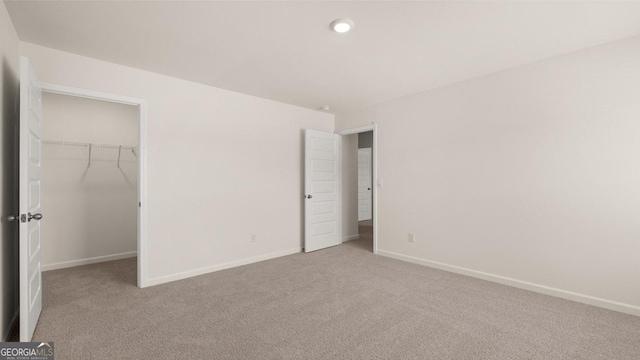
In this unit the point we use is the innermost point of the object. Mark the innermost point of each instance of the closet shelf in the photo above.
(90, 152)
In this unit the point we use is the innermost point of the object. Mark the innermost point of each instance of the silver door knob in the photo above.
(309, 196)
(13, 217)
(36, 216)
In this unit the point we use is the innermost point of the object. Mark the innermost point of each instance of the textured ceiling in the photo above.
(285, 50)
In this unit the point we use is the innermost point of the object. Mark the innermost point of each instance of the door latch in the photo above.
(23, 217)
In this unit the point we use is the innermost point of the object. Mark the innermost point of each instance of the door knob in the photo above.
(36, 216)
(309, 196)
(13, 217)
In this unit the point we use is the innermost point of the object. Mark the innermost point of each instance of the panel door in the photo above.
(30, 183)
(322, 190)
(364, 184)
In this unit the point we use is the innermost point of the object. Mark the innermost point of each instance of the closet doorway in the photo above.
(93, 180)
(359, 185)
(365, 187)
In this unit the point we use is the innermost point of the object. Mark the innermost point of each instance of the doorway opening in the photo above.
(89, 184)
(365, 186)
(359, 193)
(93, 154)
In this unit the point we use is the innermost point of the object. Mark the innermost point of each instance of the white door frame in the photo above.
(142, 160)
(374, 180)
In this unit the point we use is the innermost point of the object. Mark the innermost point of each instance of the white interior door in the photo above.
(30, 199)
(322, 183)
(364, 184)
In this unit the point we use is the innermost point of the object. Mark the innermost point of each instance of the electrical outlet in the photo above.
(412, 237)
(253, 238)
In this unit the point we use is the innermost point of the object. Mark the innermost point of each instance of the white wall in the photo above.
(90, 211)
(9, 93)
(221, 165)
(528, 176)
(349, 187)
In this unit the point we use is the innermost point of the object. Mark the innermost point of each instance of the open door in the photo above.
(30, 199)
(322, 162)
(364, 184)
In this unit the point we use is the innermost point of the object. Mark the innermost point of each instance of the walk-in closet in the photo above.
(90, 170)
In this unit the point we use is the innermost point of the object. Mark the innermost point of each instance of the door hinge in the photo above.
(139, 204)
(23, 218)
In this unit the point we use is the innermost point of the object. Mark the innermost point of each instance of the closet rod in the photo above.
(91, 148)
(113, 146)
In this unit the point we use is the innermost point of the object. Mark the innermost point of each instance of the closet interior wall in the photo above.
(89, 196)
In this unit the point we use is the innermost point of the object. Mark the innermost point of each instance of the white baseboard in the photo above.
(93, 260)
(351, 237)
(224, 266)
(569, 295)
(10, 326)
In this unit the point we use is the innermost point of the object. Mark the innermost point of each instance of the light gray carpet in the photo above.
(339, 303)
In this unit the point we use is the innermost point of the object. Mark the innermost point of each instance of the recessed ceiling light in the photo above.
(342, 25)
(325, 108)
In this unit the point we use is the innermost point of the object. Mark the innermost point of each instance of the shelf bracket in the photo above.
(119, 152)
(89, 164)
